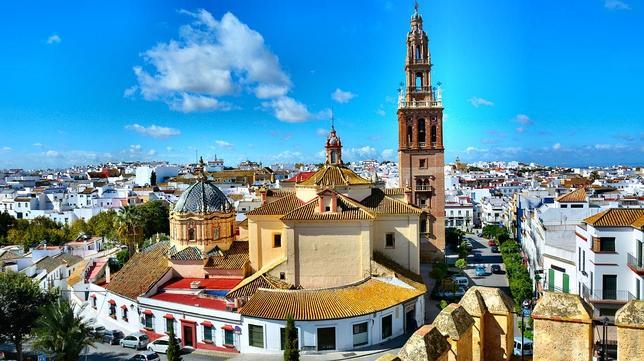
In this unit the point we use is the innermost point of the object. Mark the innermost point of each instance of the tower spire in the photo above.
(332, 120)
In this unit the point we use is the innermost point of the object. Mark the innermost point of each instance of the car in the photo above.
(136, 341)
(97, 331)
(496, 268)
(458, 292)
(461, 281)
(112, 337)
(491, 243)
(160, 345)
(480, 271)
(522, 346)
(477, 256)
(495, 249)
(144, 356)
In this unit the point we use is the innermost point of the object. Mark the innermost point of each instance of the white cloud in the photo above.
(152, 152)
(616, 5)
(212, 59)
(477, 101)
(471, 150)
(6, 149)
(38, 145)
(387, 154)
(134, 149)
(556, 146)
(224, 144)
(523, 119)
(169, 149)
(129, 92)
(342, 96)
(288, 156)
(54, 39)
(364, 152)
(381, 111)
(154, 131)
(322, 132)
(52, 154)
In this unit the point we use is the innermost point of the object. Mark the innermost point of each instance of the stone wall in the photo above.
(630, 331)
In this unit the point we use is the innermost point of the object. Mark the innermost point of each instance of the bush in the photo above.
(442, 304)
(439, 271)
(461, 264)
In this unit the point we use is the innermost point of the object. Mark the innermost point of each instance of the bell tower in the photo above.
(420, 140)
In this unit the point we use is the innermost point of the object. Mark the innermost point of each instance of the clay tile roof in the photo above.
(260, 279)
(348, 209)
(380, 203)
(278, 193)
(334, 175)
(234, 258)
(576, 196)
(187, 254)
(300, 177)
(142, 271)
(278, 207)
(618, 217)
(394, 191)
(369, 296)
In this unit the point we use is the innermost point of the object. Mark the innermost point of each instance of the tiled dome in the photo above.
(202, 197)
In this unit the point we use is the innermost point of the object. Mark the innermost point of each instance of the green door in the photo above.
(551, 280)
(566, 283)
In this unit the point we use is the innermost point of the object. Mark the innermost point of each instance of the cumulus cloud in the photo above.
(6, 149)
(130, 92)
(616, 5)
(154, 131)
(477, 102)
(556, 146)
(224, 144)
(52, 154)
(212, 59)
(54, 39)
(152, 152)
(342, 96)
(523, 119)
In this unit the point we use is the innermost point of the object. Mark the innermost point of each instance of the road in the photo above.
(105, 352)
(485, 258)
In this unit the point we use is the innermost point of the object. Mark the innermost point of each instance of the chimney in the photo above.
(107, 272)
(408, 195)
(262, 194)
(321, 203)
(334, 203)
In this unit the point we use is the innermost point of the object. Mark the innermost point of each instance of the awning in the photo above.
(112, 302)
(147, 312)
(228, 328)
(124, 307)
(93, 296)
(168, 316)
(207, 324)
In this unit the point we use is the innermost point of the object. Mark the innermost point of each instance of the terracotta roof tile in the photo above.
(618, 217)
(187, 254)
(576, 196)
(234, 258)
(369, 296)
(381, 204)
(278, 207)
(141, 271)
(334, 175)
(348, 209)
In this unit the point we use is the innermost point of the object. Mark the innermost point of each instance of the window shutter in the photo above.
(596, 244)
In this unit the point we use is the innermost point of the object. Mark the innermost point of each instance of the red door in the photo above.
(188, 333)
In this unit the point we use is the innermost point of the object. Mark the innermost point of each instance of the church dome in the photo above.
(202, 197)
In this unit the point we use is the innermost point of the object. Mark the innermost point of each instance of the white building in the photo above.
(163, 172)
(610, 248)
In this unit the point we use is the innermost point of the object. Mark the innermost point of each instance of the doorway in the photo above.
(188, 333)
(326, 338)
(410, 321)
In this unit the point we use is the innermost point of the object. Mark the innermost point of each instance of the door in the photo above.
(410, 321)
(326, 338)
(609, 287)
(566, 283)
(187, 336)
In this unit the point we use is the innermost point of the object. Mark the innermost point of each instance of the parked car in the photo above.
(160, 345)
(496, 268)
(144, 356)
(477, 256)
(136, 340)
(524, 345)
(459, 292)
(461, 281)
(112, 337)
(98, 331)
(491, 243)
(495, 249)
(480, 271)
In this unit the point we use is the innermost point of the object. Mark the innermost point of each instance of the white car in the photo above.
(160, 345)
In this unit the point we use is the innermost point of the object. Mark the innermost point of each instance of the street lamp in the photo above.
(605, 336)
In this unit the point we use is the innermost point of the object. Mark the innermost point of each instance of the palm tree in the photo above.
(62, 332)
(128, 223)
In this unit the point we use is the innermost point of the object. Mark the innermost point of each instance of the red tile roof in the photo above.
(191, 300)
(205, 283)
(300, 177)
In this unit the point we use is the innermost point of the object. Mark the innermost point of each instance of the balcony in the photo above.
(418, 61)
(423, 188)
(635, 264)
(420, 104)
(607, 296)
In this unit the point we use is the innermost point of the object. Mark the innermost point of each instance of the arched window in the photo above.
(410, 132)
(419, 81)
(215, 232)
(191, 234)
(433, 135)
(421, 130)
(417, 52)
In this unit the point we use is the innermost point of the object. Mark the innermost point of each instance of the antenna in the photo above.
(332, 120)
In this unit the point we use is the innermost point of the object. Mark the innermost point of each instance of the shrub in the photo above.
(461, 264)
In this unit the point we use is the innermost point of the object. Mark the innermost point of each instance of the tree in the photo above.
(6, 222)
(102, 224)
(291, 350)
(461, 264)
(155, 218)
(174, 352)
(439, 271)
(153, 178)
(20, 302)
(128, 226)
(79, 228)
(62, 332)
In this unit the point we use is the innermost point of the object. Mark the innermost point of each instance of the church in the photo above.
(334, 251)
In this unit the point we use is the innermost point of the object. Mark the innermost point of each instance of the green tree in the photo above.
(129, 227)
(291, 350)
(174, 352)
(102, 224)
(439, 271)
(461, 264)
(155, 218)
(62, 332)
(6, 222)
(20, 303)
(153, 178)
(79, 227)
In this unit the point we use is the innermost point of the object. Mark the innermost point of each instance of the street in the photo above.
(105, 352)
(485, 258)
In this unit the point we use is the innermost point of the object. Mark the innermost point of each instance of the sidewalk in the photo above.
(368, 353)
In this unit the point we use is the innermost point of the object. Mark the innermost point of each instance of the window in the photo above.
(360, 334)
(169, 324)
(207, 333)
(433, 134)
(583, 262)
(124, 313)
(113, 311)
(282, 275)
(327, 209)
(283, 338)
(422, 163)
(277, 240)
(390, 240)
(228, 337)
(609, 284)
(191, 234)
(579, 259)
(94, 301)
(147, 322)
(638, 290)
(421, 130)
(576, 206)
(256, 336)
(607, 244)
(215, 232)
(419, 80)
(386, 327)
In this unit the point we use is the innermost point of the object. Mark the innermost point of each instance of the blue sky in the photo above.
(555, 82)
